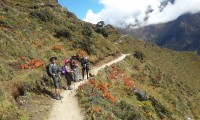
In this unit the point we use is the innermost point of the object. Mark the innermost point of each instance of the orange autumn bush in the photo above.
(127, 83)
(33, 63)
(39, 44)
(142, 78)
(97, 109)
(112, 77)
(108, 85)
(158, 76)
(93, 82)
(81, 52)
(23, 58)
(57, 48)
(108, 96)
(102, 87)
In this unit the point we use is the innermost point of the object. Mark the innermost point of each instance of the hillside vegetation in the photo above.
(30, 33)
(170, 80)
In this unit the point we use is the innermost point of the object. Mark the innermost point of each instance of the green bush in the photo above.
(85, 44)
(102, 31)
(6, 23)
(63, 33)
(139, 55)
(161, 110)
(127, 112)
(71, 15)
(44, 16)
(72, 28)
(87, 31)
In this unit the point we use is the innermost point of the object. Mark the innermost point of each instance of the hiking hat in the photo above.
(52, 58)
(67, 61)
(74, 55)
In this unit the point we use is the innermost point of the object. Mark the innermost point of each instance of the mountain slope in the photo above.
(30, 33)
(181, 34)
(170, 79)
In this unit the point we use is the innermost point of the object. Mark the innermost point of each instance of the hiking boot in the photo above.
(57, 98)
(70, 88)
(61, 96)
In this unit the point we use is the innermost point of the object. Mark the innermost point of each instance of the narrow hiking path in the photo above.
(68, 108)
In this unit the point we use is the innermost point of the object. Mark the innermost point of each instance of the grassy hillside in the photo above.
(170, 79)
(30, 33)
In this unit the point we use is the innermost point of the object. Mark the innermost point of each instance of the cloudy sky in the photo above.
(121, 13)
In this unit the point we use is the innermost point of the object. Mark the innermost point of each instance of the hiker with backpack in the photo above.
(67, 72)
(75, 67)
(85, 66)
(53, 71)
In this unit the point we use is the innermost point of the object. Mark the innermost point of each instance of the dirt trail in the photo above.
(68, 108)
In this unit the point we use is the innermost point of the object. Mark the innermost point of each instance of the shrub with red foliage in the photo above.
(81, 52)
(93, 82)
(57, 48)
(92, 93)
(158, 77)
(108, 85)
(39, 44)
(82, 85)
(24, 66)
(138, 68)
(97, 109)
(112, 77)
(142, 78)
(23, 58)
(128, 83)
(108, 96)
(102, 87)
(110, 118)
(33, 63)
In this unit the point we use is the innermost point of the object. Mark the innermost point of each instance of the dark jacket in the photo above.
(54, 69)
(85, 63)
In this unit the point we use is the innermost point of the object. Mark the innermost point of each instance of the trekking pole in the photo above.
(61, 100)
(74, 86)
(73, 83)
(72, 90)
(61, 87)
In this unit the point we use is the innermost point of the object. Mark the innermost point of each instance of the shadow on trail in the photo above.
(48, 93)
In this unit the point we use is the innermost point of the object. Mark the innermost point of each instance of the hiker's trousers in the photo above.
(76, 74)
(56, 81)
(83, 72)
(69, 78)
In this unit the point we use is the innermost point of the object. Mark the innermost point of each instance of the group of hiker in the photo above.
(70, 70)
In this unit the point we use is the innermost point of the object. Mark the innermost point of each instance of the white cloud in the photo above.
(135, 12)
